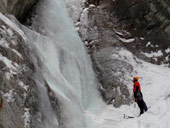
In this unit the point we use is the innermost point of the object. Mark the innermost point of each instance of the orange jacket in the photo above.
(136, 87)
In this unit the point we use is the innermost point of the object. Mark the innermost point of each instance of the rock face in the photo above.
(145, 14)
(107, 26)
(96, 28)
(21, 100)
(104, 47)
(18, 89)
(16, 7)
(149, 19)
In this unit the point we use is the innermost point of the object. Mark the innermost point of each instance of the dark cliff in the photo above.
(149, 19)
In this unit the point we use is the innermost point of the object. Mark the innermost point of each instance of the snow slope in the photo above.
(155, 85)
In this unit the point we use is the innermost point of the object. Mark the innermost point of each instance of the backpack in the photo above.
(139, 95)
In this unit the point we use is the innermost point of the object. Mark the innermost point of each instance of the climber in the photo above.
(138, 95)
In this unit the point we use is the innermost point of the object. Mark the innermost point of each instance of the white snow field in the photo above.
(155, 85)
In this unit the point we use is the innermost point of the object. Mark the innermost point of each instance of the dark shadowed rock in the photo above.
(149, 19)
(16, 7)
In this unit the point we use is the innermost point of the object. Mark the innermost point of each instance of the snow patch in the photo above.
(26, 117)
(92, 5)
(153, 54)
(126, 40)
(127, 56)
(9, 96)
(4, 43)
(119, 33)
(11, 67)
(149, 44)
(167, 57)
(167, 50)
(142, 38)
(13, 26)
(7, 62)
(120, 37)
(10, 32)
(85, 10)
(23, 85)
(16, 52)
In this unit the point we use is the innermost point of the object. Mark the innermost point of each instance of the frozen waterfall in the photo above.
(66, 66)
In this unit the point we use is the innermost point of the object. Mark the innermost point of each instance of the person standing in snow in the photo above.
(138, 95)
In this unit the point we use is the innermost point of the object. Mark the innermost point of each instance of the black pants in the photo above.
(142, 106)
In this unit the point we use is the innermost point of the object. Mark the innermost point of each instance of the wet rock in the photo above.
(15, 6)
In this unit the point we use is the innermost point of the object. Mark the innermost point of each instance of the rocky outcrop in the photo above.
(144, 14)
(149, 19)
(22, 98)
(17, 87)
(104, 47)
(16, 7)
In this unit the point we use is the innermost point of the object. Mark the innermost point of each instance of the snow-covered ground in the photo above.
(155, 87)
